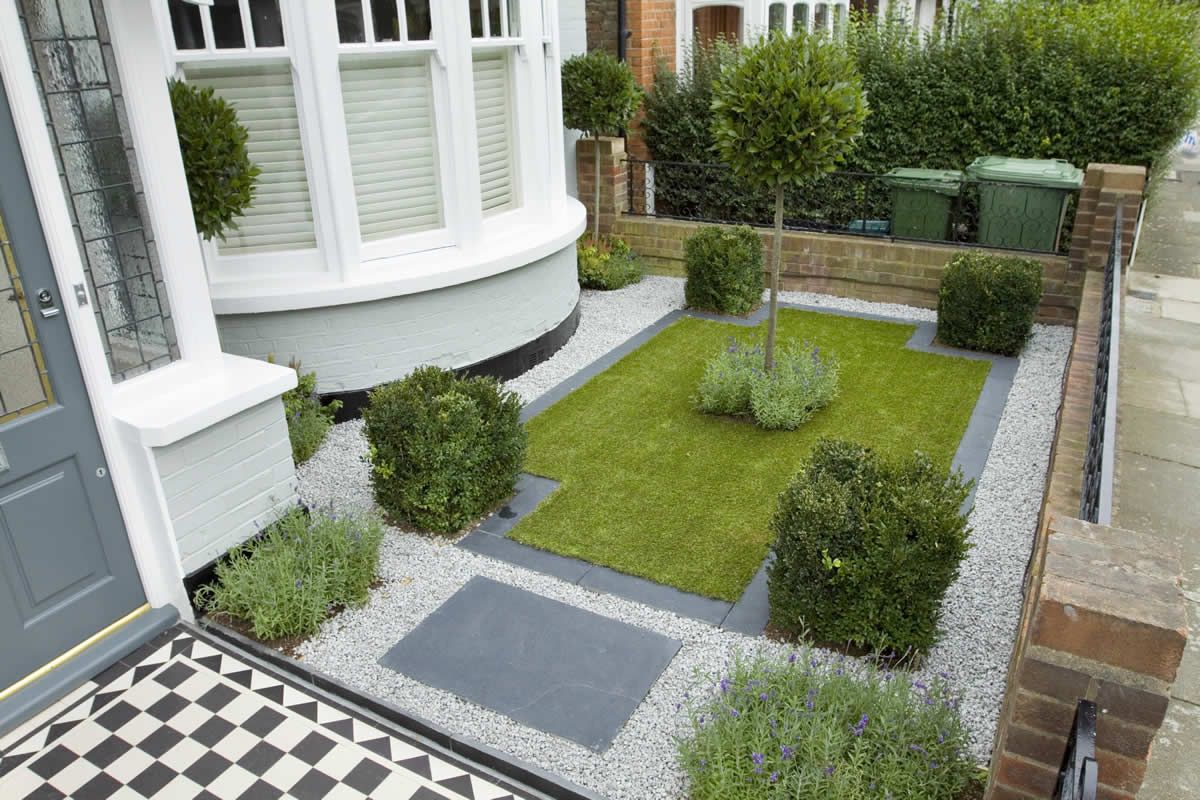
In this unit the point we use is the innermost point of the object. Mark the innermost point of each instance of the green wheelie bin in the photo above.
(1022, 201)
(922, 200)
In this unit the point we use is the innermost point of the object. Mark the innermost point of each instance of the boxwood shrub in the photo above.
(724, 269)
(865, 548)
(607, 263)
(988, 302)
(444, 449)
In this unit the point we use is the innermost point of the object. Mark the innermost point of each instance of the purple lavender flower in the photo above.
(774, 777)
(861, 725)
(762, 696)
(724, 685)
(757, 758)
(792, 658)
(829, 770)
(786, 752)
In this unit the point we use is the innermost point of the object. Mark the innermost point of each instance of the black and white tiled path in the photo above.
(180, 718)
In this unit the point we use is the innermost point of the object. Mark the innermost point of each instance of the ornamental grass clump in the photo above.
(814, 728)
(308, 419)
(303, 567)
(607, 263)
(735, 384)
(444, 449)
(865, 549)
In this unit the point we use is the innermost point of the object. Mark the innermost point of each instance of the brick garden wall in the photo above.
(849, 266)
(602, 26)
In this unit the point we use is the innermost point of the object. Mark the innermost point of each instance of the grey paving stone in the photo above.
(749, 614)
(531, 490)
(668, 598)
(543, 663)
(521, 555)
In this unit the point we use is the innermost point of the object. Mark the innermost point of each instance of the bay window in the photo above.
(370, 120)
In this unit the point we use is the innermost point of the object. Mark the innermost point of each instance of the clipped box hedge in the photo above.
(988, 302)
(724, 269)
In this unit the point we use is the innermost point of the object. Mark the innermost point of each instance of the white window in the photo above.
(385, 65)
(799, 17)
(821, 17)
(239, 49)
(358, 113)
(777, 17)
(495, 37)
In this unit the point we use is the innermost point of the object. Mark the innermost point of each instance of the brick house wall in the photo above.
(602, 26)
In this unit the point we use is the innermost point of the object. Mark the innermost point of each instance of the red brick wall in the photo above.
(652, 39)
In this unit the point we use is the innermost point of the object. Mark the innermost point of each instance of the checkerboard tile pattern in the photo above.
(190, 721)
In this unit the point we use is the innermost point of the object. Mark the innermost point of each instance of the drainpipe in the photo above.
(622, 34)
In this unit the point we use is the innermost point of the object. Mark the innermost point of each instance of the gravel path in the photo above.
(981, 609)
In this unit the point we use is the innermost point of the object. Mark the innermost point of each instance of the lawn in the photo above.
(653, 488)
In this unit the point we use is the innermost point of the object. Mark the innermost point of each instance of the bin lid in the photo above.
(942, 181)
(1050, 173)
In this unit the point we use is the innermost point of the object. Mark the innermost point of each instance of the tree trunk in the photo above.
(776, 261)
(596, 207)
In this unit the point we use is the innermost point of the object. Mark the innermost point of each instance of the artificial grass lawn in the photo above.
(652, 487)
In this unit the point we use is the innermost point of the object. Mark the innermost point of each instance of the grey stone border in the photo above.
(749, 614)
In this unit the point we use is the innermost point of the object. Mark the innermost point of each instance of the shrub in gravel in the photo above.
(724, 269)
(285, 582)
(865, 548)
(735, 383)
(444, 449)
(607, 263)
(988, 302)
(308, 420)
(806, 728)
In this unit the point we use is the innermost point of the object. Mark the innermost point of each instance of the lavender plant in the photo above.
(823, 727)
(308, 419)
(286, 582)
(735, 383)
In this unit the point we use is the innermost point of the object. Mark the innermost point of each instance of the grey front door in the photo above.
(66, 570)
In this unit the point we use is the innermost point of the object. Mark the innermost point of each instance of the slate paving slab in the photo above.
(543, 663)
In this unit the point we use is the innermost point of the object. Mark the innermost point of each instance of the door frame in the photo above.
(131, 465)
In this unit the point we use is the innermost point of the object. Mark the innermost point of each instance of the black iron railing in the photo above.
(1079, 773)
(1096, 501)
(855, 203)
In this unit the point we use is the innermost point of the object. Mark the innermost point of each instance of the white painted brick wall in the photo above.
(362, 345)
(572, 21)
(225, 483)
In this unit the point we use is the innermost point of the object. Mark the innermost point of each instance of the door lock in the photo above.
(46, 303)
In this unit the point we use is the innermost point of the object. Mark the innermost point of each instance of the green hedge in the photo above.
(444, 449)
(1114, 81)
(865, 548)
(988, 302)
(724, 270)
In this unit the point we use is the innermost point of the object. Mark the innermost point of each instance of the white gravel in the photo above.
(981, 609)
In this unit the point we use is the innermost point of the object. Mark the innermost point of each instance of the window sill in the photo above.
(169, 404)
(522, 239)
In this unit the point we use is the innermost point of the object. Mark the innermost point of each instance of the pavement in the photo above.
(1158, 458)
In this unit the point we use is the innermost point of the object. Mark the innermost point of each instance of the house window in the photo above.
(495, 32)
(821, 17)
(385, 65)
(246, 61)
(800, 18)
(777, 17)
(350, 106)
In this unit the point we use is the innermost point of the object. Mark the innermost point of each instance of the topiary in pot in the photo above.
(865, 548)
(724, 269)
(220, 176)
(444, 449)
(988, 302)
(599, 97)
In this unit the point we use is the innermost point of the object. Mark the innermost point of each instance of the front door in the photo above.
(66, 570)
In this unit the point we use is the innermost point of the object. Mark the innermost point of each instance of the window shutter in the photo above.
(493, 119)
(393, 144)
(281, 217)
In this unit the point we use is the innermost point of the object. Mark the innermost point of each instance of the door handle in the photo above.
(46, 303)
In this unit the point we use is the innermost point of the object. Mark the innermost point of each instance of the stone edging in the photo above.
(749, 614)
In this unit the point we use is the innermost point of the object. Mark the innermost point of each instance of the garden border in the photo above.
(749, 613)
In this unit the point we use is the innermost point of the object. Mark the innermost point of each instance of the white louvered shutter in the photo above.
(393, 144)
(493, 119)
(281, 217)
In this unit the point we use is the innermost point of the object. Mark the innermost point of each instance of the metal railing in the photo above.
(853, 203)
(1079, 774)
(1095, 503)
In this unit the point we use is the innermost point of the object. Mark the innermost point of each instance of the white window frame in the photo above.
(262, 264)
(313, 49)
